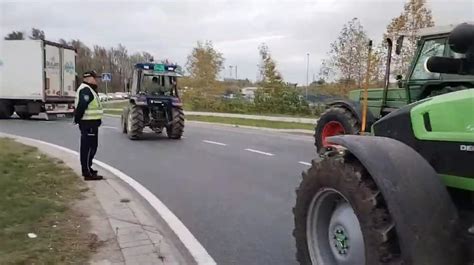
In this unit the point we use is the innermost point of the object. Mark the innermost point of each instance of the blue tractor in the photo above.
(154, 101)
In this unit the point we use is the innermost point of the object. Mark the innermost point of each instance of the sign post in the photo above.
(106, 77)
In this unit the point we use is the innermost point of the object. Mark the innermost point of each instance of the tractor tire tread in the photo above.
(176, 128)
(137, 125)
(347, 175)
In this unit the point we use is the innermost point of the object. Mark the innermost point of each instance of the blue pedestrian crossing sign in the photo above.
(106, 77)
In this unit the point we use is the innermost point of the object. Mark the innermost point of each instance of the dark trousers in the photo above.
(89, 141)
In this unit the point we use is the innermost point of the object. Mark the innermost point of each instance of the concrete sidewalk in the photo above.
(129, 231)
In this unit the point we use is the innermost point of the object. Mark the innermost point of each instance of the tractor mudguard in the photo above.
(355, 108)
(424, 214)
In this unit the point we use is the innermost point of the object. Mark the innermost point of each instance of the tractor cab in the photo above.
(421, 83)
(156, 79)
(364, 107)
(417, 83)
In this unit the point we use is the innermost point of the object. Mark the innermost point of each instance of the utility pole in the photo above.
(230, 67)
(236, 72)
(307, 76)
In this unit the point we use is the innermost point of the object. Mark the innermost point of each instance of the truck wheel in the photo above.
(341, 217)
(334, 121)
(176, 128)
(24, 115)
(6, 109)
(135, 122)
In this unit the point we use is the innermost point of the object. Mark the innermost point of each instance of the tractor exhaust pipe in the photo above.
(366, 90)
(387, 74)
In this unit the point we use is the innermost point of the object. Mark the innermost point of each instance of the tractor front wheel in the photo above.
(334, 121)
(135, 122)
(341, 217)
(176, 128)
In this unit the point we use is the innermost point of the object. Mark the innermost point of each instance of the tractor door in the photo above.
(419, 78)
(135, 80)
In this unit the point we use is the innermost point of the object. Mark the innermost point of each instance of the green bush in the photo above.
(283, 101)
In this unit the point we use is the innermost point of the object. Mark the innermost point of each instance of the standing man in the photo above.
(88, 114)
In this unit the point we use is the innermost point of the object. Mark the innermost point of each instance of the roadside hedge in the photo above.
(285, 103)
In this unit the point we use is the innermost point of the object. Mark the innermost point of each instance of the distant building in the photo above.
(249, 92)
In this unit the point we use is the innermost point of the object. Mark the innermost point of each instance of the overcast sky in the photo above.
(169, 29)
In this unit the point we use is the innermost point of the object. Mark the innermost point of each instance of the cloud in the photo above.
(169, 29)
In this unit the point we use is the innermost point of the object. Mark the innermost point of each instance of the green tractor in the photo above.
(154, 102)
(404, 194)
(347, 116)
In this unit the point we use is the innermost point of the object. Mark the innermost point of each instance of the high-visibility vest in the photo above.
(94, 109)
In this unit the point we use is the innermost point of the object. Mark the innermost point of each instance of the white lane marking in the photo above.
(212, 142)
(259, 152)
(304, 163)
(197, 251)
(109, 127)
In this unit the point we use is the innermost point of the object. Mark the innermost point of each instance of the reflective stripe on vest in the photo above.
(94, 109)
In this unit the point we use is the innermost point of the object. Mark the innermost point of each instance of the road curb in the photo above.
(193, 247)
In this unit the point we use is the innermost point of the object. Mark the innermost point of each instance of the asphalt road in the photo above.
(232, 187)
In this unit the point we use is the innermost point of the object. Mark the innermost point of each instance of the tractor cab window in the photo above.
(157, 84)
(430, 48)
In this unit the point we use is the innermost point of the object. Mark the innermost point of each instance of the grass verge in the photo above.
(114, 104)
(249, 122)
(36, 196)
(240, 121)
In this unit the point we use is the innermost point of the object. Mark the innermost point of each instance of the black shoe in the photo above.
(94, 172)
(93, 177)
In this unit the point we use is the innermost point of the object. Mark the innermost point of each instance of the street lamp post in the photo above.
(307, 76)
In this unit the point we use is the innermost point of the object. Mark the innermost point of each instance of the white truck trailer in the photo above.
(36, 76)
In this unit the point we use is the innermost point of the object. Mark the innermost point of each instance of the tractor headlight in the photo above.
(141, 101)
(176, 102)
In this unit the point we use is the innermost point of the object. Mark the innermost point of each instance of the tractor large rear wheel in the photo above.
(341, 218)
(334, 121)
(135, 122)
(176, 128)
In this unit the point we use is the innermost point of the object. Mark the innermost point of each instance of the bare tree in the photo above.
(415, 15)
(37, 34)
(15, 35)
(204, 64)
(347, 60)
(271, 78)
